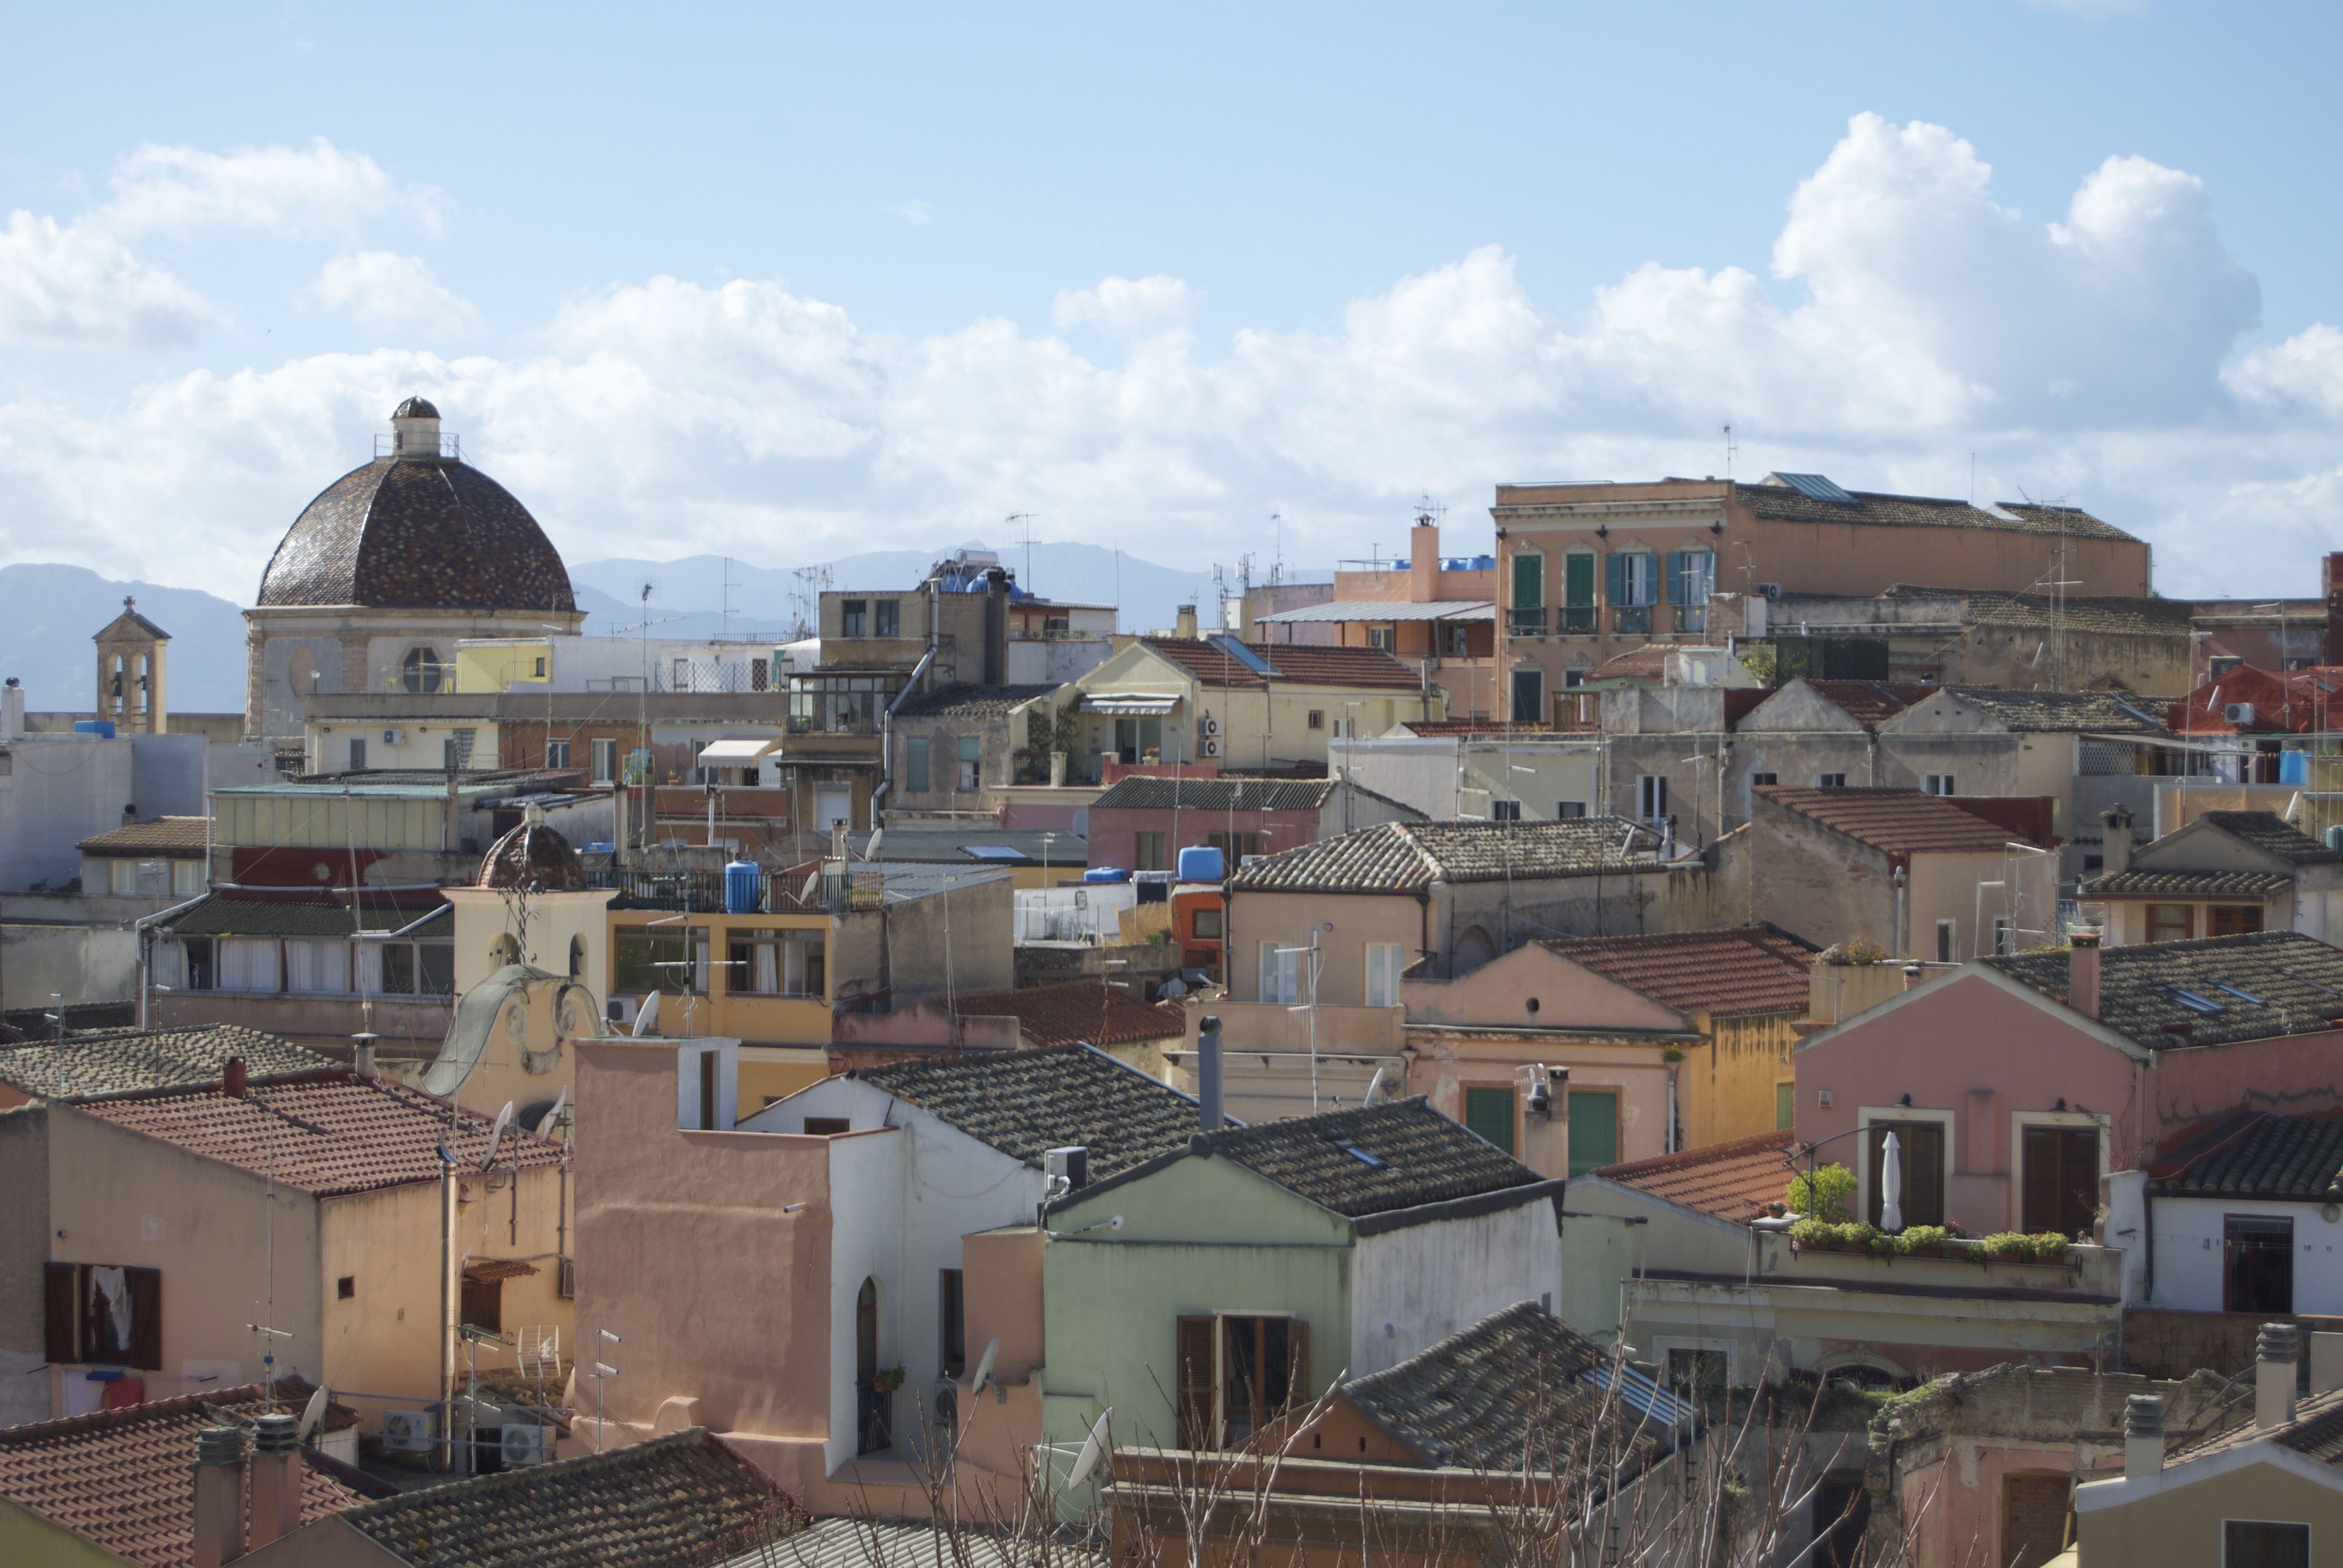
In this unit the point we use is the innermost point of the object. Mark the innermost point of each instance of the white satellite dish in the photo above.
(497, 1134)
(647, 1018)
(1093, 1450)
(552, 1117)
(1374, 1084)
(871, 845)
(805, 894)
(314, 1413)
(983, 1368)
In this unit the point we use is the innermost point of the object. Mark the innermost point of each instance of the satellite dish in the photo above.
(648, 1019)
(1093, 1450)
(806, 893)
(314, 1413)
(1374, 1084)
(984, 1367)
(497, 1134)
(561, 1103)
(871, 845)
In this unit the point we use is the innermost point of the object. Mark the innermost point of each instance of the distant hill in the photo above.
(49, 613)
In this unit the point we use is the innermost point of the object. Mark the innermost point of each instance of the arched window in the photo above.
(419, 670)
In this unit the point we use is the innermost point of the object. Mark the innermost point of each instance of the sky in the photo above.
(792, 283)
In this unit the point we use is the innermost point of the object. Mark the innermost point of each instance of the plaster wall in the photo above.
(2190, 1264)
(1444, 1064)
(2181, 1525)
(1414, 1287)
(39, 964)
(1948, 887)
(1670, 1239)
(57, 790)
(24, 1247)
(1534, 987)
(2295, 1074)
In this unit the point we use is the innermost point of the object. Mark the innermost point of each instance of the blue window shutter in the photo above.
(1614, 580)
(1675, 567)
(915, 763)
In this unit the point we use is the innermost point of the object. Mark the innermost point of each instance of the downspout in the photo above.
(886, 729)
(1901, 890)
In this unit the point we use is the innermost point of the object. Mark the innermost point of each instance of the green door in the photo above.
(1785, 1105)
(1490, 1113)
(1593, 1129)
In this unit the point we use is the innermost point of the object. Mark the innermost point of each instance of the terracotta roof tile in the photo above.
(2290, 984)
(1732, 1180)
(965, 701)
(326, 1134)
(1871, 703)
(123, 1479)
(2116, 614)
(1741, 972)
(2067, 713)
(1899, 821)
(178, 836)
(2274, 835)
(1413, 1155)
(1029, 1102)
(2253, 1154)
(1303, 664)
(1402, 857)
(1089, 1013)
(128, 1061)
(2143, 883)
(1876, 509)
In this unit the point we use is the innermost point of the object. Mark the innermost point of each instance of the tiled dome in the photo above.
(532, 858)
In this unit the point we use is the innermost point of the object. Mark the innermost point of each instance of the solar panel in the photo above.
(2240, 995)
(991, 852)
(1817, 486)
(2205, 1006)
(1241, 653)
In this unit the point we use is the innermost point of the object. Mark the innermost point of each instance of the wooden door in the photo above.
(2062, 1180)
(2034, 1519)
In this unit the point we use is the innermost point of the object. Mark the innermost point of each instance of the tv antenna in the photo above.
(1026, 520)
(1731, 447)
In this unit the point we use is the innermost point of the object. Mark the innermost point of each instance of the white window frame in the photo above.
(122, 877)
(1281, 974)
(597, 750)
(2019, 1121)
(1939, 784)
(1390, 958)
(1864, 1115)
(189, 878)
(1662, 1344)
(1651, 797)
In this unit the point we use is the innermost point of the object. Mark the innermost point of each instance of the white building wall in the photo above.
(2189, 1261)
(54, 791)
(866, 1197)
(1413, 1288)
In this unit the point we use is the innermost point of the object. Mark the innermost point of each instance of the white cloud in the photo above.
(1911, 319)
(917, 212)
(314, 189)
(74, 284)
(1123, 303)
(400, 293)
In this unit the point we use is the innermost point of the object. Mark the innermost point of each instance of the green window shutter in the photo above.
(915, 763)
(972, 747)
(1593, 1129)
(1785, 1106)
(1529, 581)
(1676, 568)
(1578, 581)
(1614, 580)
(1490, 1113)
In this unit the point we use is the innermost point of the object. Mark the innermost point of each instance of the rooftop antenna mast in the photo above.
(1731, 447)
(1025, 520)
(724, 614)
(806, 584)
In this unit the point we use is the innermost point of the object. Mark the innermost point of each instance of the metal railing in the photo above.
(1632, 620)
(830, 891)
(1525, 620)
(1578, 619)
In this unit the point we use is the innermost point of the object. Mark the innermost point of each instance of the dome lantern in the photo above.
(414, 430)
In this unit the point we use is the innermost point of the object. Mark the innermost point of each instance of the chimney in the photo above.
(362, 1054)
(2143, 1435)
(1184, 623)
(2325, 1363)
(276, 1478)
(1913, 975)
(232, 1077)
(1423, 561)
(12, 710)
(219, 1496)
(2083, 973)
(2274, 1376)
(1208, 1075)
(2115, 854)
(2334, 585)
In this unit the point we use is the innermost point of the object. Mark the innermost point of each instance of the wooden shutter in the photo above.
(1614, 580)
(1578, 581)
(1676, 568)
(61, 1311)
(1195, 1354)
(145, 1318)
(1529, 581)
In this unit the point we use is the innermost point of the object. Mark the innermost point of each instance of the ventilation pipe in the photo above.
(275, 1477)
(2274, 1376)
(2143, 1435)
(1208, 1075)
(2083, 973)
(219, 1496)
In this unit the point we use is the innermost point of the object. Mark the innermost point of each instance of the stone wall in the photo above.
(2160, 1342)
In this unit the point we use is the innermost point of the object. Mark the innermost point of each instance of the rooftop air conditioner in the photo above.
(1211, 724)
(525, 1443)
(394, 738)
(621, 1011)
(1211, 747)
(1771, 590)
(408, 1430)
(2238, 712)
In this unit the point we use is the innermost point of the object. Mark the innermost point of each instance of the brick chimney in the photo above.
(232, 1077)
(2083, 973)
(1183, 622)
(1423, 561)
(2115, 854)
(2143, 1435)
(219, 1496)
(2274, 1376)
(2334, 586)
(276, 1478)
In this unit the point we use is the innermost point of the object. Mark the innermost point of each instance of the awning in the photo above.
(1384, 610)
(735, 753)
(487, 1271)
(1130, 704)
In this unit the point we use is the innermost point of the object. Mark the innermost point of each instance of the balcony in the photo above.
(1632, 620)
(1525, 620)
(1578, 620)
(783, 892)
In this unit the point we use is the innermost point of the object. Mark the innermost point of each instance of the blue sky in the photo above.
(786, 284)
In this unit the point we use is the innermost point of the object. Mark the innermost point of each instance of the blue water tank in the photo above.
(1202, 863)
(1483, 563)
(101, 727)
(2294, 766)
(1106, 874)
(744, 888)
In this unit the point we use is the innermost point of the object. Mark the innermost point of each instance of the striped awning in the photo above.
(1130, 704)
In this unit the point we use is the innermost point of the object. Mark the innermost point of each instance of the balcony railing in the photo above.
(1525, 620)
(1632, 620)
(782, 892)
(1578, 620)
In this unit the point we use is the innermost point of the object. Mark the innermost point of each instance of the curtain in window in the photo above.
(317, 967)
(248, 963)
(1382, 973)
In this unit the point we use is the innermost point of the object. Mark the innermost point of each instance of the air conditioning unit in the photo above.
(1211, 724)
(1211, 747)
(1070, 1165)
(409, 1430)
(944, 1404)
(394, 738)
(525, 1443)
(1771, 590)
(621, 1011)
(2238, 712)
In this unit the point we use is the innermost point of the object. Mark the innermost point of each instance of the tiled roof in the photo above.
(123, 1479)
(1732, 1180)
(2253, 1154)
(963, 843)
(138, 624)
(2295, 701)
(2274, 835)
(124, 1060)
(1782, 504)
(1076, 1012)
(2315, 1432)
(178, 836)
(417, 534)
(1146, 794)
(1402, 857)
(1515, 1388)
(221, 917)
(965, 701)
(682, 1500)
(845, 1541)
(1736, 973)
(1029, 1102)
(1443, 729)
(2066, 712)
(2113, 614)
(2293, 984)
(1416, 1156)
(2144, 884)
(328, 1135)
(1899, 821)
(1305, 664)
(1871, 703)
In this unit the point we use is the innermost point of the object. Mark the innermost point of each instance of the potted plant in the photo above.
(1823, 1198)
(888, 1381)
(1923, 1240)
(2005, 1247)
(2048, 1247)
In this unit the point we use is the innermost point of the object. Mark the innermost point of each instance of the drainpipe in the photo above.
(1901, 890)
(886, 728)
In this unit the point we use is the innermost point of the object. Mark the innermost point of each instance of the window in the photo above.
(1208, 925)
(1235, 848)
(1281, 974)
(419, 968)
(2034, 1510)
(1578, 592)
(484, 1304)
(915, 764)
(357, 754)
(954, 1320)
(1696, 1371)
(557, 754)
(1529, 695)
(887, 617)
(2258, 1543)
(605, 757)
(760, 675)
(1456, 639)
(1948, 941)
(1841, 1513)
(316, 965)
(1936, 783)
(2171, 922)
(196, 954)
(1385, 960)
(1147, 852)
(187, 879)
(1317, 718)
(1830, 780)
(540, 667)
(2062, 1180)
(419, 670)
(1756, 780)
(1525, 613)
(1504, 811)
(2257, 1263)
(1593, 1129)
(971, 760)
(2003, 937)
(853, 618)
(249, 964)
(122, 876)
(1569, 810)
(1920, 1149)
(1490, 1113)
(1652, 797)
(752, 963)
(646, 959)
(345, 1288)
(102, 1314)
(1632, 589)
(1785, 1106)
(1692, 578)
(1135, 737)
(1237, 1373)
(2232, 920)
(826, 1126)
